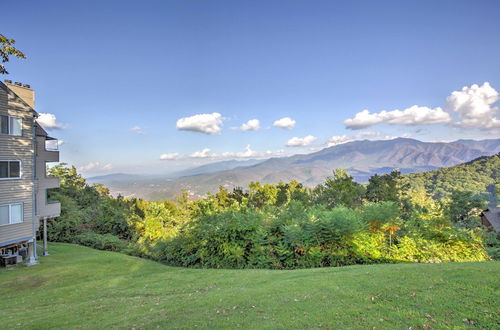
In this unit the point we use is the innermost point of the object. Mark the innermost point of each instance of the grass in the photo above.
(78, 287)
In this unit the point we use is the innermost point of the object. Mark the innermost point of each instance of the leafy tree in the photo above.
(7, 50)
(341, 190)
(464, 207)
(239, 195)
(261, 195)
(291, 191)
(384, 187)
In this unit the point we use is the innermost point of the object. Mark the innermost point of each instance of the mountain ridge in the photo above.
(361, 158)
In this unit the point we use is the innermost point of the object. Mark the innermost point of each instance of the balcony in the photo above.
(46, 152)
(46, 208)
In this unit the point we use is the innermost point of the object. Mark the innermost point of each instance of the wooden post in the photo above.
(45, 252)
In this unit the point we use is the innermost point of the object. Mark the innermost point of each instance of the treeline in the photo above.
(340, 222)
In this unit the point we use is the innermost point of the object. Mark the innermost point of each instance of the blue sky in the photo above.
(105, 67)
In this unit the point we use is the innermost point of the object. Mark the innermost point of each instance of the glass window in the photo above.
(4, 215)
(4, 124)
(16, 213)
(14, 169)
(16, 125)
(4, 170)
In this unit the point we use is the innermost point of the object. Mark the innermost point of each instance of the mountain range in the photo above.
(361, 158)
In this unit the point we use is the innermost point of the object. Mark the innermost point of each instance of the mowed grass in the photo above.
(78, 287)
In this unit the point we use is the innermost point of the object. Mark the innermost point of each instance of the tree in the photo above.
(384, 187)
(341, 190)
(7, 50)
(464, 207)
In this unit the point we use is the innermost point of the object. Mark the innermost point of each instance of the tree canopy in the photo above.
(7, 50)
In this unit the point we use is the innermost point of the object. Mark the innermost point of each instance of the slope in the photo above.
(77, 287)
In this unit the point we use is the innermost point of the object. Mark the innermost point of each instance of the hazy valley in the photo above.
(361, 158)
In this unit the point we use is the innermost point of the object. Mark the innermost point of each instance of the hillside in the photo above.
(481, 176)
(78, 287)
(361, 158)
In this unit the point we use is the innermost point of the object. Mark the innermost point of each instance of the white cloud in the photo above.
(49, 121)
(474, 105)
(208, 123)
(170, 156)
(249, 153)
(470, 107)
(137, 130)
(95, 166)
(300, 142)
(251, 125)
(339, 139)
(205, 153)
(88, 167)
(414, 115)
(286, 123)
(365, 135)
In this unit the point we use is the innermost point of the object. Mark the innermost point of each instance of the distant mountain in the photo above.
(492, 145)
(216, 167)
(361, 158)
(114, 177)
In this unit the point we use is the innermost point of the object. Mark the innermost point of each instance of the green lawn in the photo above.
(78, 287)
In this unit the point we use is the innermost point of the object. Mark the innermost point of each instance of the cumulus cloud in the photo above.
(205, 153)
(366, 135)
(49, 121)
(208, 123)
(249, 153)
(208, 154)
(170, 156)
(474, 106)
(95, 166)
(251, 125)
(339, 139)
(137, 130)
(285, 123)
(300, 142)
(414, 115)
(470, 107)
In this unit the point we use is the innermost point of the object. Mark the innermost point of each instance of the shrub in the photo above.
(101, 242)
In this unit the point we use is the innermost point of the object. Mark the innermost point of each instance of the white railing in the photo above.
(52, 145)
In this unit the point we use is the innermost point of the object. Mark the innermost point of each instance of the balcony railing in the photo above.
(52, 145)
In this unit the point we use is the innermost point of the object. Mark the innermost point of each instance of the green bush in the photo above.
(281, 226)
(100, 241)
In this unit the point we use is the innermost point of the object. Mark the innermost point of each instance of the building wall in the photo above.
(45, 208)
(17, 148)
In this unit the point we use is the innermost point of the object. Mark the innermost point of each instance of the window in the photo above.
(10, 169)
(11, 213)
(11, 125)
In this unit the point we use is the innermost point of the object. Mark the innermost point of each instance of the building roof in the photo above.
(492, 214)
(39, 131)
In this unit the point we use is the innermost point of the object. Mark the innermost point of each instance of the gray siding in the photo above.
(17, 148)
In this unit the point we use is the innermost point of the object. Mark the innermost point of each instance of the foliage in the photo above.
(339, 190)
(99, 241)
(463, 208)
(480, 176)
(384, 187)
(7, 50)
(278, 226)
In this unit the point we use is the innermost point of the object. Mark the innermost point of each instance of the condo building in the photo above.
(25, 151)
